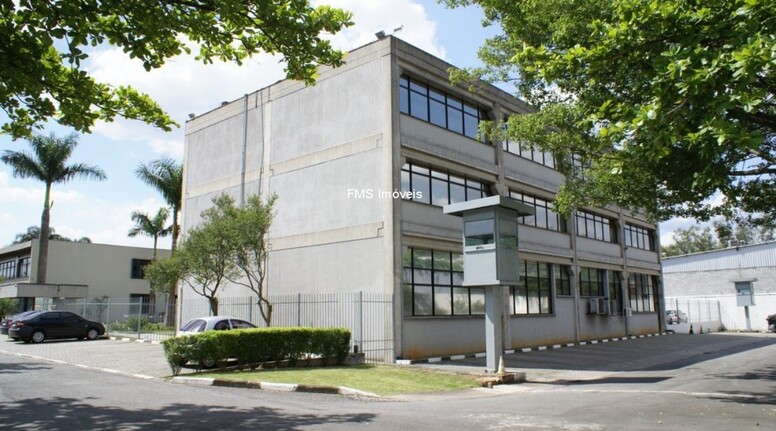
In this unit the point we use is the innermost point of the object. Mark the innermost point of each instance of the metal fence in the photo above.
(369, 316)
(142, 318)
(707, 312)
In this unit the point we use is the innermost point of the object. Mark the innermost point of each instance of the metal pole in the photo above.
(494, 337)
(107, 318)
(748, 320)
(139, 307)
(360, 324)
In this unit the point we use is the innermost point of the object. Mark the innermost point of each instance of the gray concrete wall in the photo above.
(718, 286)
(318, 148)
(106, 269)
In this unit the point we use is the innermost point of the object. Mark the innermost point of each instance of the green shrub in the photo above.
(252, 346)
(130, 325)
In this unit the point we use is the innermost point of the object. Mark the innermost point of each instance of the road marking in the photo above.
(86, 367)
(641, 391)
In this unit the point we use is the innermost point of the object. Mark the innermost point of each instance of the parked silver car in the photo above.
(675, 316)
(213, 323)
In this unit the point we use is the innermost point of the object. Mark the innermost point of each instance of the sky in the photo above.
(102, 210)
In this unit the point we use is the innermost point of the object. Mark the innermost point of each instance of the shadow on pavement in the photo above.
(68, 414)
(612, 380)
(661, 353)
(21, 368)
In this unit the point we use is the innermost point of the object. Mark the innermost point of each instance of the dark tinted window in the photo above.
(196, 325)
(241, 324)
(221, 325)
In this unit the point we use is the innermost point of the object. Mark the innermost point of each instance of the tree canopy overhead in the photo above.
(671, 104)
(44, 46)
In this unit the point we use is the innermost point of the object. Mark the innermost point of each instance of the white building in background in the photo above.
(77, 271)
(362, 164)
(723, 275)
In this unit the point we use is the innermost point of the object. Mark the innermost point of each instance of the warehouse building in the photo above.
(362, 164)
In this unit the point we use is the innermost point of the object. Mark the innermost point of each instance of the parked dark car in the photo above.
(54, 324)
(5, 324)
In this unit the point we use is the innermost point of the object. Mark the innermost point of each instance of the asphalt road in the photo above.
(730, 391)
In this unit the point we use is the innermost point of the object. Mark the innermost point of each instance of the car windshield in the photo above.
(196, 325)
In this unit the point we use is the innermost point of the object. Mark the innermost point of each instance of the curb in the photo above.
(136, 340)
(277, 387)
(524, 349)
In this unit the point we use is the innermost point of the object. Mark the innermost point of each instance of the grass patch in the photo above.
(378, 379)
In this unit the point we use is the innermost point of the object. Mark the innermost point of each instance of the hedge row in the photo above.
(253, 346)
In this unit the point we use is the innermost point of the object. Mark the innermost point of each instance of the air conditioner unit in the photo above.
(592, 306)
(603, 306)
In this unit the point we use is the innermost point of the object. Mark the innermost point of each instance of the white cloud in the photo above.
(185, 85)
(109, 222)
(386, 15)
(34, 194)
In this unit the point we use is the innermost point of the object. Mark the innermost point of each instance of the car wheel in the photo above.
(208, 363)
(38, 336)
(92, 334)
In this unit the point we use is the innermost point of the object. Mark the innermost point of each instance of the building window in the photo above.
(639, 237)
(527, 151)
(591, 282)
(437, 107)
(562, 280)
(433, 285)
(138, 268)
(139, 303)
(594, 226)
(545, 217)
(614, 289)
(641, 292)
(438, 188)
(8, 269)
(23, 268)
(534, 295)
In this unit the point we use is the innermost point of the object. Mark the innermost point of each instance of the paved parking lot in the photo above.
(121, 357)
(591, 361)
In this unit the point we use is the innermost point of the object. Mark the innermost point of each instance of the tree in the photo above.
(8, 306)
(166, 176)
(48, 163)
(155, 226)
(665, 102)
(229, 245)
(45, 45)
(691, 240)
(33, 232)
(249, 238)
(205, 258)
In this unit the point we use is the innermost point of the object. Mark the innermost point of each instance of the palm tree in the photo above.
(33, 232)
(47, 163)
(154, 227)
(166, 176)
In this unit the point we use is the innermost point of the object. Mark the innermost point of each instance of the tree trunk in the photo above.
(265, 307)
(213, 305)
(43, 241)
(173, 288)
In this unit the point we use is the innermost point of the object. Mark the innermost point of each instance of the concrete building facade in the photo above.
(713, 275)
(362, 163)
(76, 270)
